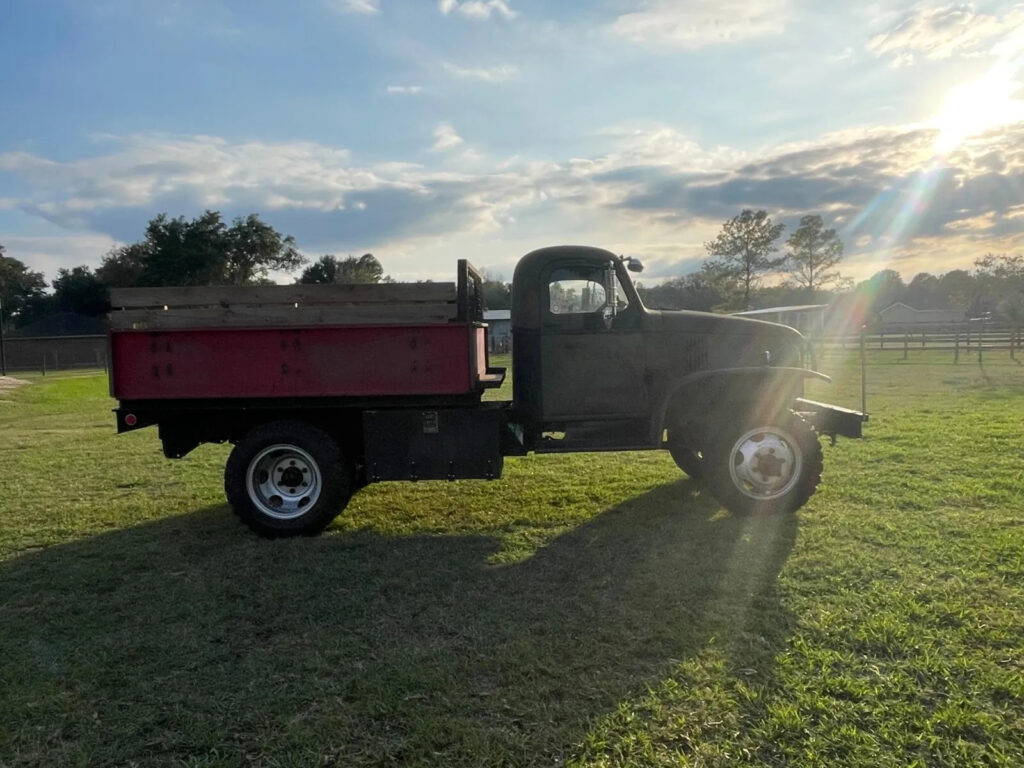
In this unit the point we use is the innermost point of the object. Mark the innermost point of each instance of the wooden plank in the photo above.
(271, 317)
(232, 295)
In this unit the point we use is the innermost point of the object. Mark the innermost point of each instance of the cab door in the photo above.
(592, 352)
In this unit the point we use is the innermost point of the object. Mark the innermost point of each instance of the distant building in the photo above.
(900, 314)
(500, 331)
(809, 319)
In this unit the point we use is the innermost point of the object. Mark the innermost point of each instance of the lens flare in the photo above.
(975, 107)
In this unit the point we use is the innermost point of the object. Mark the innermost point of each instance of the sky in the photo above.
(424, 131)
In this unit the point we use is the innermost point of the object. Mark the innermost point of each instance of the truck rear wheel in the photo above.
(287, 478)
(765, 468)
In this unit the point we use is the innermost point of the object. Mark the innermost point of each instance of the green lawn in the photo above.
(586, 609)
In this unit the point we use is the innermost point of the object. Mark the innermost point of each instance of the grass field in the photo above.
(586, 609)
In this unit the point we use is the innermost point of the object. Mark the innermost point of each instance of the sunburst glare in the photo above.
(978, 106)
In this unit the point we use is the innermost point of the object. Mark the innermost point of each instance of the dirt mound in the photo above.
(9, 382)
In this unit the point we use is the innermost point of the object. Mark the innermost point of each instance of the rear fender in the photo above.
(764, 390)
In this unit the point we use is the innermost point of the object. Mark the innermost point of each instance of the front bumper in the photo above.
(831, 420)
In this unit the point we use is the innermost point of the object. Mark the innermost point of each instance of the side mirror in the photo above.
(634, 265)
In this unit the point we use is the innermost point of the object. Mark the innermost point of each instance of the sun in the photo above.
(975, 107)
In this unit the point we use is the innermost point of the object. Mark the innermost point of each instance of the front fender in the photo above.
(703, 392)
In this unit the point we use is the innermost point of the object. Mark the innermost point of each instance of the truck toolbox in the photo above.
(434, 444)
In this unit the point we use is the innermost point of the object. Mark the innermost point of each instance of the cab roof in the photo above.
(530, 274)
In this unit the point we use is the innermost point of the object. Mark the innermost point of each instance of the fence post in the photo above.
(863, 373)
(956, 349)
(906, 344)
(44, 363)
(981, 339)
(3, 351)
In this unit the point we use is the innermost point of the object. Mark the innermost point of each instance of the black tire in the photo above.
(287, 478)
(688, 459)
(759, 469)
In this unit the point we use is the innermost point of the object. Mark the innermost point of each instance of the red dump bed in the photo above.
(296, 362)
(300, 341)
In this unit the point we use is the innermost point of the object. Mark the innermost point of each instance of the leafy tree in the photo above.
(497, 293)
(123, 266)
(1007, 269)
(201, 251)
(924, 292)
(693, 291)
(1002, 280)
(321, 271)
(20, 288)
(329, 269)
(181, 252)
(80, 290)
(742, 252)
(959, 289)
(879, 291)
(254, 248)
(813, 255)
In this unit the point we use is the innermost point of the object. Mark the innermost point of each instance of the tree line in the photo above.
(746, 254)
(746, 268)
(175, 251)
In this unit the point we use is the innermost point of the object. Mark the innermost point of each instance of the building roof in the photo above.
(783, 310)
(497, 314)
(921, 311)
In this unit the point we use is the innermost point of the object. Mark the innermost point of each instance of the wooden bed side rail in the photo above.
(282, 316)
(282, 295)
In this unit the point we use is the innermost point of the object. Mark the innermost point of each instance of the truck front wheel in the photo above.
(687, 459)
(287, 478)
(764, 468)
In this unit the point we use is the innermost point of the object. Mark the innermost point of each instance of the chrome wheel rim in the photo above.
(283, 481)
(765, 463)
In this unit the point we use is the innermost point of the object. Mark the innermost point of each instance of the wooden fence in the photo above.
(973, 339)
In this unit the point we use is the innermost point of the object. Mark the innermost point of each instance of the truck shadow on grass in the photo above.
(187, 638)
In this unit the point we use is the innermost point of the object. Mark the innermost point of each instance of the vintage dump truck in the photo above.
(323, 389)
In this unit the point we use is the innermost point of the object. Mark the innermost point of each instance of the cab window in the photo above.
(575, 291)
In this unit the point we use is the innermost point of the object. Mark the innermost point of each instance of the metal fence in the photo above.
(55, 353)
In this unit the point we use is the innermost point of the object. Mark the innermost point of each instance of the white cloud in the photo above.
(477, 9)
(445, 138)
(652, 186)
(366, 7)
(49, 254)
(404, 89)
(487, 74)
(692, 24)
(945, 31)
